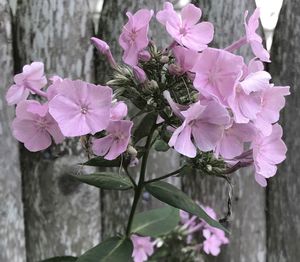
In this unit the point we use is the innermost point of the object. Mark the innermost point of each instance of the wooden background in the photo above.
(43, 213)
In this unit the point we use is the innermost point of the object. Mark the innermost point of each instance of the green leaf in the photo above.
(161, 145)
(171, 195)
(61, 259)
(106, 180)
(156, 222)
(114, 249)
(144, 127)
(101, 162)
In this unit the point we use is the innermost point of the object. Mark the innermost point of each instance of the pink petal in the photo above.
(190, 15)
(16, 94)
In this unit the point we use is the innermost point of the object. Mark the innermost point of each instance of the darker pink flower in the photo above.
(253, 38)
(185, 28)
(268, 151)
(134, 36)
(32, 79)
(216, 74)
(204, 123)
(272, 102)
(34, 126)
(115, 142)
(143, 248)
(81, 108)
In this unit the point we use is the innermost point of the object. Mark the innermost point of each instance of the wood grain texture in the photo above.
(12, 239)
(116, 205)
(62, 217)
(247, 223)
(283, 195)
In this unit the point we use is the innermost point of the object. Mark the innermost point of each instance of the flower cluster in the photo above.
(190, 237)
(212, 106)
(219, 103)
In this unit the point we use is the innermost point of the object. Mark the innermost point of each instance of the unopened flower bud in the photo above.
(104, 49)
(152, 84)
(164, 59)
(132, 151)
(144, 56)
(175, 69)
(139, 74)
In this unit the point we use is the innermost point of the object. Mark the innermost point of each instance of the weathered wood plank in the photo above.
(62, 217)
(247, 224)
(12, 239)
(111, 22)
(283, 195)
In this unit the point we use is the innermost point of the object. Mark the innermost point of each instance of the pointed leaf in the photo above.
(144, 127)
(156, 222)
(101, 162)
(171, 195)
(106, 180)
(61, 259)
(111, 250)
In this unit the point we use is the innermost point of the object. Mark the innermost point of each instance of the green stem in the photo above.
(138, 190)
(164, 176)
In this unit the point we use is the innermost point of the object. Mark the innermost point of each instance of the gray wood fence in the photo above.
(43, 213)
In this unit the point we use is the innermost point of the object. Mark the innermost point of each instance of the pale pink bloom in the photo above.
(268, 151)
(185, 60)
(29, 81)
(184, 28)
(272, 102)
(253, 38)
(53, 89)
(115, 142)
(143, 247)
(134, 36)
(176, 108)
(204, 123)
(216, 74)
(118, 111)
(215, 237)
(34, 126)
(104, 49)
(211, 244)
(233, 138)
(81, 108)
(245, 101)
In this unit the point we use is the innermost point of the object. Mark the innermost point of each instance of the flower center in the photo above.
(183, 31)
(84, 110)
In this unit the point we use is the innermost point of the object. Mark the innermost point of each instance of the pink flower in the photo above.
(34, 126)
(216, 74)
(133, 38)
(245, 102)
(118, 111)
(185, 60)
(139, 74)
(253, 38)
(204, 123)
(104, 49)
(232, 141)
(271, 103)
(211, 244)
(81, 108)
(143, 248)
(53, 89)
(31, 80)
(185, 28)
(268, 151)
(115, 142)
